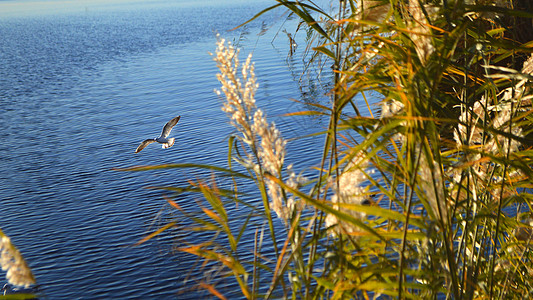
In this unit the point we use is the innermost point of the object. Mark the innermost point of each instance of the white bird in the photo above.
(163, 138)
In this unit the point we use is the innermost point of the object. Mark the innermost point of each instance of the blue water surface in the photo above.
(81, 84)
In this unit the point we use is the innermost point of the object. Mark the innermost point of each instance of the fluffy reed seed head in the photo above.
(480, 176)
(528, 65)
(372, 10)
(240, 98)
(272, 150)
(264, 138)
(349, 191)
(498, 116)
(272, 155)
(471, 133)
(420, 31)
(432, 186)
(18, 272)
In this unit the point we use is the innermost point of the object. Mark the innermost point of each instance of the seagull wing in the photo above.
(144, 144)
(169, 125)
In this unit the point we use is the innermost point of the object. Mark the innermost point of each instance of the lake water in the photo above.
(81, 84)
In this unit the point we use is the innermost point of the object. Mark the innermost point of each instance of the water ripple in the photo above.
(79, 91)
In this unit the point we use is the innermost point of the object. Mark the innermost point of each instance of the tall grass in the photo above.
(428, 197)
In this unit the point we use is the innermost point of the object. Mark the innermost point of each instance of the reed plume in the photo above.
(18, 271)
(501, 140)
(349, 191)
(268, 148)
(420, 32)
(240, 98)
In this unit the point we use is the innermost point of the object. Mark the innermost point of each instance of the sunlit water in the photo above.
(80, 86)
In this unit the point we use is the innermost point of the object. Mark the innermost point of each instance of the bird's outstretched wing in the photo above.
(169, 125)
(144, 144)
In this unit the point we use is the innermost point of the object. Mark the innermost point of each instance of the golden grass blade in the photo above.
(173, 204)
(154, 234)
(212, 290)
(227, 260)
(184, 166)
(304, 113)
(212, 215)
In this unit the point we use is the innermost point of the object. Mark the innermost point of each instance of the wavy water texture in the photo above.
(79, 91)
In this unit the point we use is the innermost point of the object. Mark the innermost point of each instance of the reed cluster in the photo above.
(428, 197)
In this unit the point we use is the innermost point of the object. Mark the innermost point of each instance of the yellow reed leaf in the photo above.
(212, 215)
(212, 290)
(173, 203)
(151, 235)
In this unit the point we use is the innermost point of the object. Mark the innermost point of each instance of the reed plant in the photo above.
(426, 194)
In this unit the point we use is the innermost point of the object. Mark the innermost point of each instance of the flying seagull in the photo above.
(163, 138)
